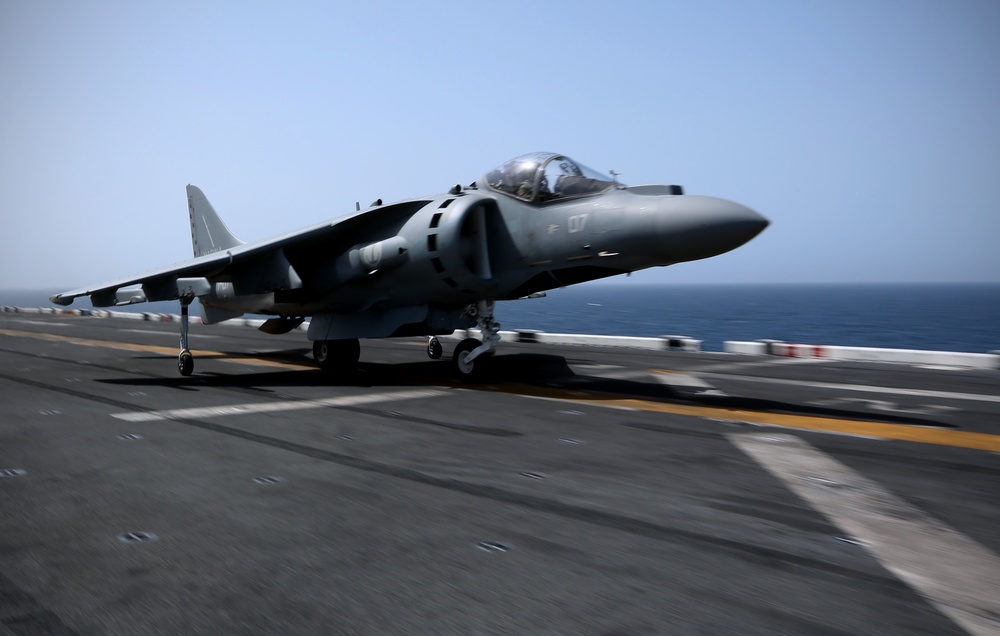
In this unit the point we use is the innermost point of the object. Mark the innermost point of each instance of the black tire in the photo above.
(337, 356)
(185, 363)
(466, 369)
(434, 349)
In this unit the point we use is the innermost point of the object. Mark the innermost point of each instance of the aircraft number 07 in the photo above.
(576, 223)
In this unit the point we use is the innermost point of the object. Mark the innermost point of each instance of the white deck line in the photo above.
(959, 576)
(270, 407)
(863, 388)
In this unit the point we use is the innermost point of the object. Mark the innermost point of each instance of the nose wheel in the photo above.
(471, 351)
(465, 364)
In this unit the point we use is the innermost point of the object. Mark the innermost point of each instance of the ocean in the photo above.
(944, 317)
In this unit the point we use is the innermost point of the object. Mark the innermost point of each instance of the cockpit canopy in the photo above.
(541, 177)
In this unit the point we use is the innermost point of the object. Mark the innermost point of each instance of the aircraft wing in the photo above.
(258, 267)
(104, 294)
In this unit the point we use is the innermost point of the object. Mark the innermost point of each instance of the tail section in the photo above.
(208, 232)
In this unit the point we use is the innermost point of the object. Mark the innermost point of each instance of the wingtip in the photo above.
(59, 300)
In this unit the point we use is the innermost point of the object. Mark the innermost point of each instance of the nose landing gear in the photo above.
(470, 350)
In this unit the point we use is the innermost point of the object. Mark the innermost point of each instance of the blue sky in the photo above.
(868, 132)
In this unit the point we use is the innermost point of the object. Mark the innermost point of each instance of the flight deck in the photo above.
(568, 490)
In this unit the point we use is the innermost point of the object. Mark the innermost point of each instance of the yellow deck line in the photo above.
(168, 351)
(902, 432)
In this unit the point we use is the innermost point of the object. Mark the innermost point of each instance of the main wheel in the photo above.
(338, 356)
(465, 367)
(185, 363)
(434, 349)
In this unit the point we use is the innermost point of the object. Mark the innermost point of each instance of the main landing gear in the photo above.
(470, 351)
(434, 348)
(337, 356)
(185, 361)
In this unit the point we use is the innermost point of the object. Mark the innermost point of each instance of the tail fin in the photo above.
(208, 232)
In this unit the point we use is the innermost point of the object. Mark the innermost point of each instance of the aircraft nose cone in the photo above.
(696, 227)
(733, 224)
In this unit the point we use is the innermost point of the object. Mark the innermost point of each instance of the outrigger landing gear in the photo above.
(185, 361)
(471, 349)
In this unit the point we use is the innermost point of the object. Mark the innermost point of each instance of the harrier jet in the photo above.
(431, 265)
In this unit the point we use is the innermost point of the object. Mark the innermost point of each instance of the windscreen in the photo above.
(543, 177)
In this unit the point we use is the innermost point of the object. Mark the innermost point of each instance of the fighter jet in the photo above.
(428, 266)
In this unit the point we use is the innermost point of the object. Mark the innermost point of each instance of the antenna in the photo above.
(614, 178)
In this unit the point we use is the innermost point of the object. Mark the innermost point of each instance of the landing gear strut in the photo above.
(185, 361)
(337, 356)
(470, 350)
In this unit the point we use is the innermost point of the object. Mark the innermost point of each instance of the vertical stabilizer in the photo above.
(208, 232)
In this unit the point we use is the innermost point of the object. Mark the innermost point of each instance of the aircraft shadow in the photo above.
(507, 371)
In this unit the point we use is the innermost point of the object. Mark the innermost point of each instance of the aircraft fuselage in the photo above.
(451, 250)
(434, 264)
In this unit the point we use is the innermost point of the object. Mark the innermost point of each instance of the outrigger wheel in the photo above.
(185, 363)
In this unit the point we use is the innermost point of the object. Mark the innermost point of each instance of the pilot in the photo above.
(524, 190)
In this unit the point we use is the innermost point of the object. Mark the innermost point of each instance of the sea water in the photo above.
(945, 317)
